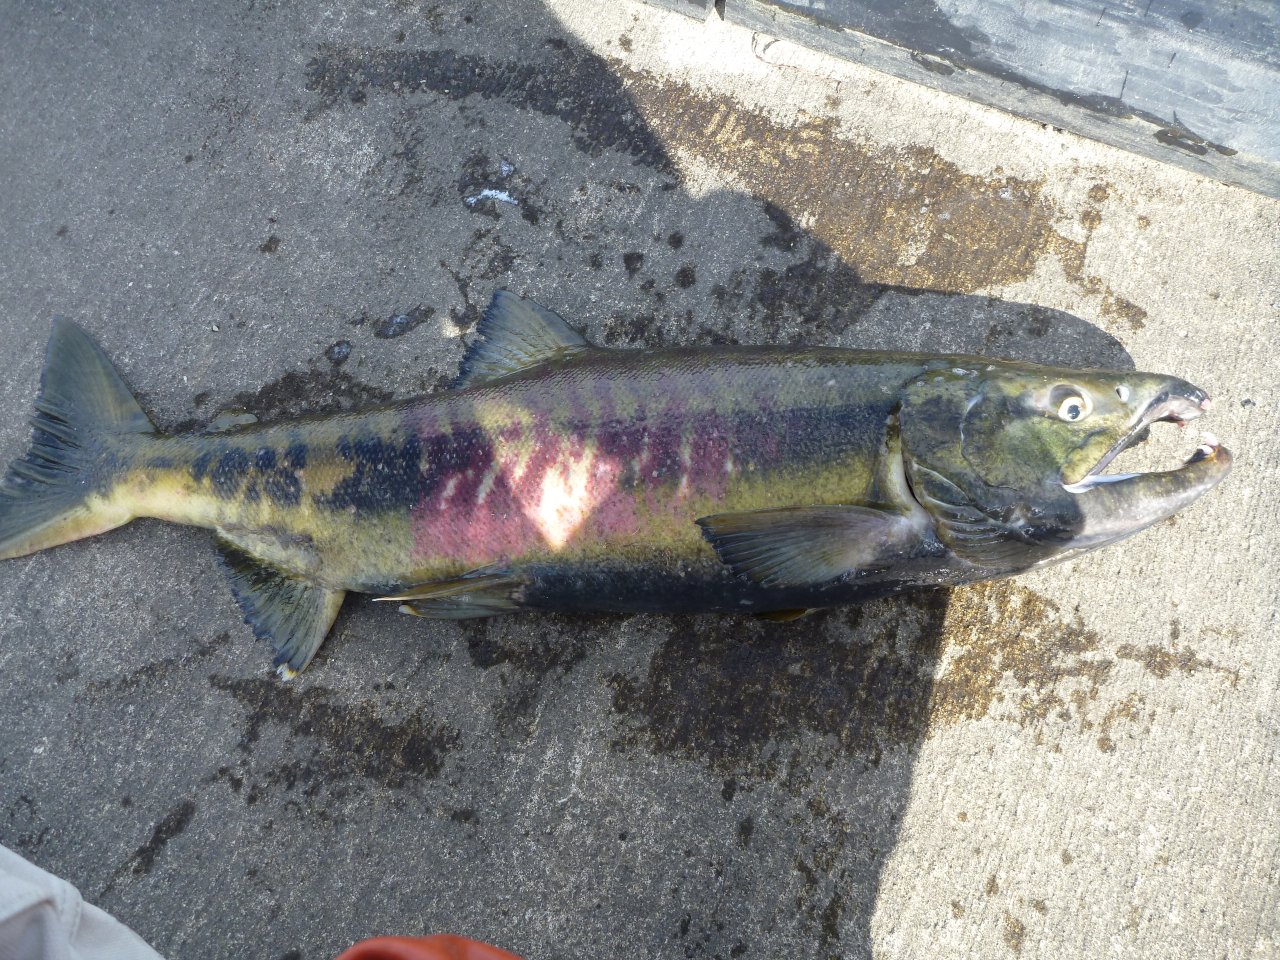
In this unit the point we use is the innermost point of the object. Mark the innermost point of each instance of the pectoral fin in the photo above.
(294, 615)
(475, 594)
(808, 546)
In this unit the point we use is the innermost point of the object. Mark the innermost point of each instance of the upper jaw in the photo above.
(1180, 407)
(1112, 506)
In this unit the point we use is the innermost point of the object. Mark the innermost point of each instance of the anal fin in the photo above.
(475, 594)
(808, 546)
(292, 614)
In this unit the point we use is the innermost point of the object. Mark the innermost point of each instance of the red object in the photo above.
(442, 946)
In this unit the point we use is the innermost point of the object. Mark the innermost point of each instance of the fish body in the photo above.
(597, 462)
(569, 477)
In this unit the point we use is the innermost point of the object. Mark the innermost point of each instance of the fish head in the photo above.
(1009, 458)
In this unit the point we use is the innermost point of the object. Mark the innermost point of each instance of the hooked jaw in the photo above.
(1113, 506)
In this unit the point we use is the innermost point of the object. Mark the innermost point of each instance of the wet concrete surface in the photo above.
(275, 209)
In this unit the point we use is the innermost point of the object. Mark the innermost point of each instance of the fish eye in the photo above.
(1073, 403)
(1074, 407)
(1123, 393)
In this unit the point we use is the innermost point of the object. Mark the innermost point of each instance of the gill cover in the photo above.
(998, 513)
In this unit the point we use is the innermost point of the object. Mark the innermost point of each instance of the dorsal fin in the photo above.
(513, 335)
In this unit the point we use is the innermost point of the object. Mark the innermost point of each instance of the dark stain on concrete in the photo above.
(1002, 631)
(409, 174)
(1114, 305)
(1073, 254)
(1013, 931)
(786, 233)
(309, 392)
(732, 693)
(270, 245)
(476, 173)
(480, 172)
(1128, 709)
(1163, 661)
(869, 206)
(830, 920)
(822, 903)
(901, 217)
(69, 669)
(492, 643)
(1015, 655)
(526, 660)
(530, 212)
(346, 740)
(157, 672)
(175, 822)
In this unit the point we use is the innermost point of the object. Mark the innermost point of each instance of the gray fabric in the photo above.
(44, 918)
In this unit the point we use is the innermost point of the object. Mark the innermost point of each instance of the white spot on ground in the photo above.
(488, 193)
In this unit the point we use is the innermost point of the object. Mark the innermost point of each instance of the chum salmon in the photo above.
(558, 475)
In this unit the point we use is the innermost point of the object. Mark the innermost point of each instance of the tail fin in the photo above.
(48, 497)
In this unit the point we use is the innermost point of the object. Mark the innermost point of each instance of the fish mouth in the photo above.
(1113, 506)
(1168, 407)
